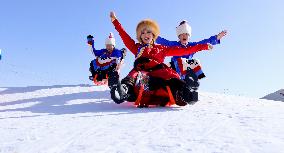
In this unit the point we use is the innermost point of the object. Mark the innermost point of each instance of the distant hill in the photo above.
(277, 96)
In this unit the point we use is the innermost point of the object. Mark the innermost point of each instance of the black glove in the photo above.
(90, 39)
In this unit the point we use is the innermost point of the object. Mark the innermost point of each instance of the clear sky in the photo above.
(44, 42)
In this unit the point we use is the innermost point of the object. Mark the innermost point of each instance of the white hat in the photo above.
(184, 27)
(110, 39)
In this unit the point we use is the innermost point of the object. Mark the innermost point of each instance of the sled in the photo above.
(99, 83)
(145, 97)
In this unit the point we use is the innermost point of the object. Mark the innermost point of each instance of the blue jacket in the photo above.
(104, 54)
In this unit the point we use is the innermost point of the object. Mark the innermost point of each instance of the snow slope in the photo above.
(83, 119)
(277, 96)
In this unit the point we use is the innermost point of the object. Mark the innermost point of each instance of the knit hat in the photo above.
(147, 23)
(110, 40)
(183, 27)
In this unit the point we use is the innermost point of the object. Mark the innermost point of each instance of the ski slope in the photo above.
(83, 119)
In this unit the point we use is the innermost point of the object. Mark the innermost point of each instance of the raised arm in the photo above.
(127, 40)
(180, 51)
(166, 42)
(90, 41)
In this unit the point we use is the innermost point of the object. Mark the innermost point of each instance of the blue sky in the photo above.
(44, 42)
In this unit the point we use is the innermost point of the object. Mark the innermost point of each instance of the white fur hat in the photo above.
(110, 39)
(184, 27)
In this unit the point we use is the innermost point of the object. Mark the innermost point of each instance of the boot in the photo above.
(191, 82)
(119, 93)
(176, 87)
(189, 96)
(129, 83)
(179, 99)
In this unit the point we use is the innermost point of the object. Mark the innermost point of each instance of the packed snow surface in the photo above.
(83, 119)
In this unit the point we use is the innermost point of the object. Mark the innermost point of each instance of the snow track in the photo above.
(82, 119)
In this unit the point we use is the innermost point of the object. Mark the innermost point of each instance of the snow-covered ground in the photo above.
(83, 119)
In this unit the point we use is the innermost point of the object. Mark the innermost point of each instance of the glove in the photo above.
(123, 50)
(90, 40)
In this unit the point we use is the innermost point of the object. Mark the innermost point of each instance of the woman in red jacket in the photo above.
(150, 58)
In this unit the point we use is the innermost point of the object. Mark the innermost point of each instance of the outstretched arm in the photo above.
(166, 42)
(180, 51)
(213, 40)
(127, 40)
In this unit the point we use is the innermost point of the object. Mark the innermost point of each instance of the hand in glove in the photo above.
(90, 40)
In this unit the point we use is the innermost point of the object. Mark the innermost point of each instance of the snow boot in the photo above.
(189, 96)
(185, 96)
(129, 83)
(189, 93)
(191, 81)
(119, 93)
(177, 87)
(179, 99)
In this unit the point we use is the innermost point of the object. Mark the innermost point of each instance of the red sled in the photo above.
(100, 83)
(145, 97)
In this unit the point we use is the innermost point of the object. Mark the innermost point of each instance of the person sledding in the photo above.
(164, 85)
(105, 67)
(188, 68)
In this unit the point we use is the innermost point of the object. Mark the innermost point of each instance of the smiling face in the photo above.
(184, 38)
(147, 36)
(109, 47)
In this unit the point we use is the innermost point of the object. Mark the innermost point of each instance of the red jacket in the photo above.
(156, 53)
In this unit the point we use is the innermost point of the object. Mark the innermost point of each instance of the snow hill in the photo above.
(83, 119)
(277, 96)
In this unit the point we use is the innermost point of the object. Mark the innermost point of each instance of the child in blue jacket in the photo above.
(107, 62)
(188, 68)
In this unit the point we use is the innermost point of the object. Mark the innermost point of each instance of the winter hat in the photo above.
(147, 23)
(183, 27)
(110, 40)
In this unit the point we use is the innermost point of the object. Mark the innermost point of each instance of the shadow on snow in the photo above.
(85, 102)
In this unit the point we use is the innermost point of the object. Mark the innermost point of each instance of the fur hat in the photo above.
(147, 23)
(183, 27)
(110, 39)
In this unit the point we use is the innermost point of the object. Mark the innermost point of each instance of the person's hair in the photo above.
(147, 23)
